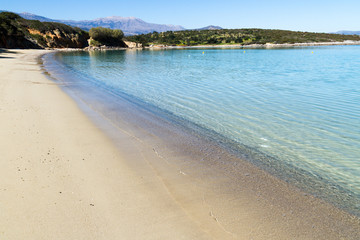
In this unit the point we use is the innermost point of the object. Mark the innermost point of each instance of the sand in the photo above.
(62, 177)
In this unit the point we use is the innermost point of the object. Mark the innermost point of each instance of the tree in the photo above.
(107, 36)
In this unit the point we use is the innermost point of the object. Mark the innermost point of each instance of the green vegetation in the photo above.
(44, 27)
(39, 38)
(235, 36)
(11, 32)
(17, 32)
(106, 36)
(95, 43)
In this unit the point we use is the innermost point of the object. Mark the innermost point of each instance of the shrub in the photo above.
(239, 36)
(9, 15)
(107, 36)
(94, 43)
(40, 39)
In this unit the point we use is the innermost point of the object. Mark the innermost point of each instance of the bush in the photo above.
(9, 15)
(236, 36)
(40, 39)
(107, 36)
(95, 43)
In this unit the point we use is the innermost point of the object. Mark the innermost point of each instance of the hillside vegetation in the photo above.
(106, 36)
(17, 32)
(11, 35)
(236, 36)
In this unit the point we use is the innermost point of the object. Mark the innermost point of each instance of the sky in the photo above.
(301, 15)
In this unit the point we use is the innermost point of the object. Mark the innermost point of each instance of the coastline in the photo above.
(267, 45)
(136, 191)
(250, 46)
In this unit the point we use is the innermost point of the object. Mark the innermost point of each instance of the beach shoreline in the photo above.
(62, 178)
(130, 181)
(225, 46)
(260, 46)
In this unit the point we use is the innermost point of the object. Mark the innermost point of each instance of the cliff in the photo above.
(17, 32)
(133, 44)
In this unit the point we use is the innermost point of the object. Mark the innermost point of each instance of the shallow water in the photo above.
(294, 112)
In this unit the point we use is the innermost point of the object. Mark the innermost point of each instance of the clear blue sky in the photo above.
(302, 15)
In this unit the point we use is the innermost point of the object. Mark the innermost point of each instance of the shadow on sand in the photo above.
(2, 51)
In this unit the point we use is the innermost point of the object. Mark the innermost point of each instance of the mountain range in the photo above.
(345, 32)
(129, 25)
(211, 27)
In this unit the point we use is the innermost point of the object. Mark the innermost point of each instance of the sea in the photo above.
(294, 112)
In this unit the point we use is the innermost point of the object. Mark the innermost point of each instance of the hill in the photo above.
(211, 27)
(236, 36)
(31, 16)
(17, 32)
(129, 25)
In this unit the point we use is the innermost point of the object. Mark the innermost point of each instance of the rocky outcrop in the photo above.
(17, 32)
(133, 44)
(59, 39)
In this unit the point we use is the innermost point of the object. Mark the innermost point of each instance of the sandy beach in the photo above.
(63, 177)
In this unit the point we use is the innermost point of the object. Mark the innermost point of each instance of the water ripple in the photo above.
(300, 108)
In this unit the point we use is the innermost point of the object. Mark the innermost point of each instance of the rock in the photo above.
(133, 44)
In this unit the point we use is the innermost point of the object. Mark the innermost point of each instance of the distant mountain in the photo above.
(211, 27)
(344, 32)
(31, 16)
(129, 25)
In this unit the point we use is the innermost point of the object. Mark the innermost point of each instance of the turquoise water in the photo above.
(300, 107)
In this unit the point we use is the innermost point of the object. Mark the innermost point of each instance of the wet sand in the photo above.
(67, 175)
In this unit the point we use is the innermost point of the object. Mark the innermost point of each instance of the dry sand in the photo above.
(63, 178)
